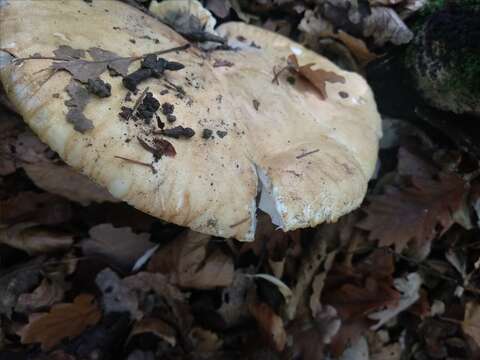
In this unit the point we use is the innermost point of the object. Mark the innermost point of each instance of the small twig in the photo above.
(240, 222)
(138, 163)
(307, 153)
(137, 103)
(172, 86)
(277, 74)
(133, 58)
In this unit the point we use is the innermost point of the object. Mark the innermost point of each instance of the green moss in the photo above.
(465, 75)
(434, 5)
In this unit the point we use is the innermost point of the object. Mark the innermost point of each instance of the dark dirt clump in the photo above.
(99, 87)
(148, 107)
(167, 108)
(178, 132)
(207, 133)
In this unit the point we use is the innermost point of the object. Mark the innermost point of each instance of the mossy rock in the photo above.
(444, 58)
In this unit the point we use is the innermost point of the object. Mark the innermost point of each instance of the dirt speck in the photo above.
(221, 134)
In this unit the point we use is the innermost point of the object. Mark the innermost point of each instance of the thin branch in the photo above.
(138, 163)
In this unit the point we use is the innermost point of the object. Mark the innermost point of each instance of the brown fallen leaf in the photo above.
(416, 214)
(471, 321)
(40, 208)
(119, 247)
(66, 320)
(35, 239)
(187, 262)
(63, 180)
(270, 324)
(318, 78)
(357, 47)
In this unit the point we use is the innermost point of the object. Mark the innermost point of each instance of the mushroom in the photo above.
(284, 147)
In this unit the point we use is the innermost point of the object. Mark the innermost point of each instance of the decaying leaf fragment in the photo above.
(318, 78)
(63, 321)
(210, 185)
(78, 100)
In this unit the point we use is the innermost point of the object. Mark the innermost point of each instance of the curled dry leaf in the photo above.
(187, 262)
(234, 308)
(157, 327)
(381, 23)
(314, 26)
(332, 144)
(117, 296)
(120, 247)
(63, 321)
(16, 282)
(385, 25)
(187, 17)
(34, 239)
(44, 296)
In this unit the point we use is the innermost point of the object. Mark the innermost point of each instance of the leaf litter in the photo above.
(378, 280)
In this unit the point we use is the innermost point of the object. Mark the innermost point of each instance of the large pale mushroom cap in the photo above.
(312, 158)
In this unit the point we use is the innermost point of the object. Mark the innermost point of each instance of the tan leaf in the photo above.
(357, 47)
(318, 78)
(205, 341)
(187, 263)
(155, 326)
(120, 247)
(63, 321)
(34, 239)
(471, 321)
(270, 324)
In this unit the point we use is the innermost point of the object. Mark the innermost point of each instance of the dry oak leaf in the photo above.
(318, 78)
(412, 215)
(66, 320)
(471, 321)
